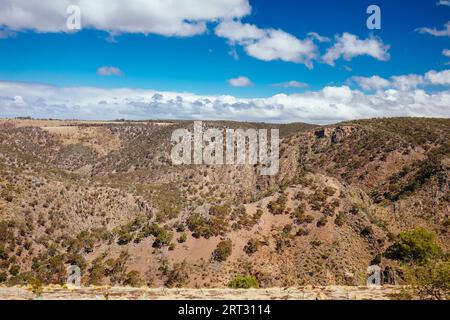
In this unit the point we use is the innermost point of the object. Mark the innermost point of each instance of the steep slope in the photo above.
(104, 196)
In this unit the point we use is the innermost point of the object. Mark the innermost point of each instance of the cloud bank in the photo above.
(404, 82)
(331, 104)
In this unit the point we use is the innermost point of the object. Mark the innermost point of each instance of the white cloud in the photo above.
(109, 71)
(318, 37)
(347, 68)
(268, 44)
(349, 46)
(438, 78)
(168, 18)
(444, 3)
(404, 82)
(435, 32)
(344, 93)
(446, 52)
(291, 84)
(238, 32)
(331, 104)
(240, 82)
(371, 83)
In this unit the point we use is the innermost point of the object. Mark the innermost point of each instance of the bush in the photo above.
(116, 269)
(223, 250)
(182, 238)
(322, 221)
(14, 270)
(124, 238)
(215, 225)
(418, 245)
(277, 207)
(257, 216)
(430, 281)
(340, 219)
(3, 277)
(244, 282)
(133, 279)
(302, 232)
(367, 232)
(252, 246)
(96, 272)
(178, 276)
(163, 238)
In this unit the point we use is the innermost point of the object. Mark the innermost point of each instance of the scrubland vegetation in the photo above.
(107, 200)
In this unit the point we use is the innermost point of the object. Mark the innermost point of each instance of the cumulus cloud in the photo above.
(168, 18)
(404, 82)
(109, 71)
(349, 46)
(445, 32)
(331, 104)
(268, 44)
(444, 3)
(371, 83)
(240, 82)
(438, 78)
(446, 52)
(291, 84)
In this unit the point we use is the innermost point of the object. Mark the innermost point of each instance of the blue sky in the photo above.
(202, 63)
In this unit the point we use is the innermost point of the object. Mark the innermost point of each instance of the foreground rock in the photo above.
(127, 293)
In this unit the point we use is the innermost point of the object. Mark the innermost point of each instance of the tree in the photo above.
(418, 245)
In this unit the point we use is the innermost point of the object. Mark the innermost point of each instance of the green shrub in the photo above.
(215, 225)
(244, 282)
(178, 275)
(163, 238)
(418, 245)
(124, 238)
(252, 246)
(430, 281)
(182, 238)
(322, 221)
(96, 272)
(302, 232)
(133, 279)
(340, 219)
(14, 270)
(223, 250)
(277, 207)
